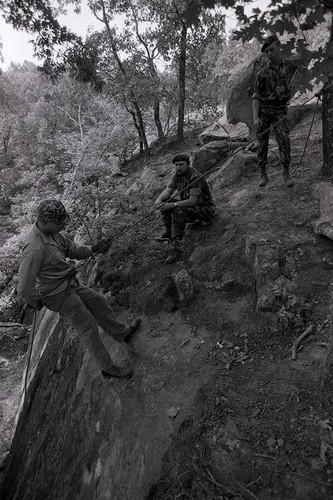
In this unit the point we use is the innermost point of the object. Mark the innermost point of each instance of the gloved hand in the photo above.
(102, 246)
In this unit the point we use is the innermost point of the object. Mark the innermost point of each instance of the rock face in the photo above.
(81, 437)
(324, 225)
(264, 262)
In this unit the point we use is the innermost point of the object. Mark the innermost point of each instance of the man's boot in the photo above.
(286, 177)
(263, 177)
(174, 254)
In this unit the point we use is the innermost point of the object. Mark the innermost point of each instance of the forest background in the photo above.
(71, 124)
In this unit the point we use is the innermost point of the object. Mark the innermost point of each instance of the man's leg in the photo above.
(167, 221)
(104, 315)
(182, 216)
(282, 138)
(79, 317)
(263, 139)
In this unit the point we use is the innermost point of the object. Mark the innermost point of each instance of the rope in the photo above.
(308, 136)
(33, 332)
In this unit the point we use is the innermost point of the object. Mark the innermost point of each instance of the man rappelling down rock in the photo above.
(47, 278)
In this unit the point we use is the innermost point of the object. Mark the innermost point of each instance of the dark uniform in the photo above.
(273, 89)
(190, 184)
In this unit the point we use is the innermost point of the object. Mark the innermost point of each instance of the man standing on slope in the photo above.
(47, 278)
(272, 92)
(196, 203)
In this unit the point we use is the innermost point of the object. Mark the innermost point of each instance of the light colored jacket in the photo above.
(44, 270)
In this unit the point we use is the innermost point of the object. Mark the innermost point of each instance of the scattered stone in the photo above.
(184, 285)
(271, 442)
(173, 411)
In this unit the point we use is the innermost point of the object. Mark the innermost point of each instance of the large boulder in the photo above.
(222, 130)
(239, 165)
(204, 160)
(222, 148)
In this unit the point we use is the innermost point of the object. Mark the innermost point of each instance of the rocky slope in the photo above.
(217, 408)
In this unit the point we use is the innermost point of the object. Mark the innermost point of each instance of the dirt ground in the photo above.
(256, 429)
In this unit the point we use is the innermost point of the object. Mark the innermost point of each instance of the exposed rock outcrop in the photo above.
(324, 225)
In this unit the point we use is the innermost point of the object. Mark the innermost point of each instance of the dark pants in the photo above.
(269, 117)
(85, 310)
(178, 217)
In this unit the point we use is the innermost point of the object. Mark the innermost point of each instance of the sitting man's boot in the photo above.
(133, 327)
(263, 177)
(286, 177)
(175, 253)
(117, 372)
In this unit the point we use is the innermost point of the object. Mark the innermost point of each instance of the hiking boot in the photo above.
(288, 180)
(263, 180)
(131, 330)
(164, 237)
(173, 256)
(117, 372)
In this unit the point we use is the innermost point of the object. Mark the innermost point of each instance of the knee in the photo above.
(179, 213)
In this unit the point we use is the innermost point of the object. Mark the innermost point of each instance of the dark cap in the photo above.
(268, 41)
(181, 157)
(51, 211)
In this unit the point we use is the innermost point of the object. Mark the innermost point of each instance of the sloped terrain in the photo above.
(217, 408)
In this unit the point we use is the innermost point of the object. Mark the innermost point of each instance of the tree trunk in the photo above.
(326, 393)
(141, 124)
(327, 116)
(156, 81)
(327, 120)
(181, 82)
(157, 119)
(136, 125)
(138, 115)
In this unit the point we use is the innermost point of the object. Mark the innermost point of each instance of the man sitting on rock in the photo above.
(272, 92)
(47, 278)
(196, 203)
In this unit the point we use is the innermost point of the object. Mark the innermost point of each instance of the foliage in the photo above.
(38, 17)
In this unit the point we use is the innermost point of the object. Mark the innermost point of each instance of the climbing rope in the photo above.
(309, 133)
(31, 341)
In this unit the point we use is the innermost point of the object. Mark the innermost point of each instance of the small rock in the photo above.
(173, 411)
(271, 442)
(280, 442)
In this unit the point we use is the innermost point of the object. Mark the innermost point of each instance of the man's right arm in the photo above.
(165, 195)
(29, 268)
